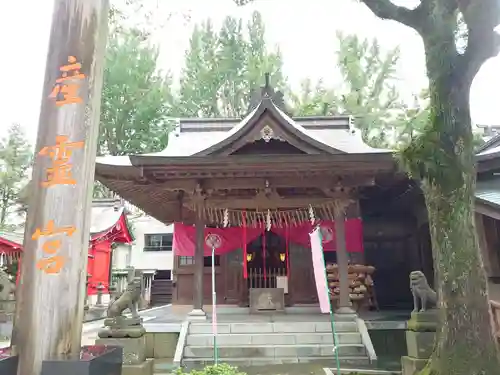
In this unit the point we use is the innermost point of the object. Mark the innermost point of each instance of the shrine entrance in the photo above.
(267, 261)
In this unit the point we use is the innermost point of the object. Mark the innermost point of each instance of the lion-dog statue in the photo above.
(117, 325)
(129, 299)
(7, 287)
(421, 291)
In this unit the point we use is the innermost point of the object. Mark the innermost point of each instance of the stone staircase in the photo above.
(265, 343)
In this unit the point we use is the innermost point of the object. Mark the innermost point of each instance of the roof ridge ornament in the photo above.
(266, 92)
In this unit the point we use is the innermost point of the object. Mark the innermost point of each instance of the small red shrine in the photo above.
(108, 226)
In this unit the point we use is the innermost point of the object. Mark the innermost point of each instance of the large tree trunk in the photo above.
(464, 343)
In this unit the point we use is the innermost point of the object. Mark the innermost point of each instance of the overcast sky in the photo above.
(304, 30)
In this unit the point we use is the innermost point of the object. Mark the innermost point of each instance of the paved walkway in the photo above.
(90, 329)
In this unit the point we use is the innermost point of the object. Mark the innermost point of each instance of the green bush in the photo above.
(222, 369)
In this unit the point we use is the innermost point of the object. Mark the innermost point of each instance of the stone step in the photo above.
(274, 351)
(207, 339)
(198, 363)
(269, 327)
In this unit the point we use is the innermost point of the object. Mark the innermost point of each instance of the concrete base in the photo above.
(144, 368)
(134, 349)
(345, 310)
(197, 315)
(267, 300)
(425, 321)
(412, 366)
(420, 344)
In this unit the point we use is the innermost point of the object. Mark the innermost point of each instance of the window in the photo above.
(158, 242)
(186, 261)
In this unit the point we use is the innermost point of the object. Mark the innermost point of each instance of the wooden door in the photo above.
(301, 286)
(233, 274)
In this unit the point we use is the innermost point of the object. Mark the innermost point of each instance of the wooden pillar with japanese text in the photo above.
(51, 294)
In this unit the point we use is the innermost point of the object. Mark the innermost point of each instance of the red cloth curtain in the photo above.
(353, 235)
(229, 239)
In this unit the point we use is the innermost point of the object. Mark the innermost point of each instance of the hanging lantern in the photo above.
(249, 257)
(282, 257)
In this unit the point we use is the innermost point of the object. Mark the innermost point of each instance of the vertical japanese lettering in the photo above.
(60, 171)
(66, 88)
(53, 263)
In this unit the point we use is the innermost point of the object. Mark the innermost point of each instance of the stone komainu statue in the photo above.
(129, 299)
(7, 287)
(421, 291)
(119, 326)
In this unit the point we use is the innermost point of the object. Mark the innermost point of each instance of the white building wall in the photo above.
(155, 260)
(122, 254)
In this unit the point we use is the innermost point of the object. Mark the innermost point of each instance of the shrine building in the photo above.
(252, 189)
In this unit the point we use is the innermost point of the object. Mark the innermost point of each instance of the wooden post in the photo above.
(199, 260)
(344, 306)
(51, 296)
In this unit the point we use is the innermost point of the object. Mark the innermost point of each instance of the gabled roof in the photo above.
(267, 120)
(10, 242)
(109, 217)
(204, 137)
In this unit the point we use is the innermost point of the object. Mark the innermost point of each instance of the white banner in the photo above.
(319, 270)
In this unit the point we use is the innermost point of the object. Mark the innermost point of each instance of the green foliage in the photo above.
(221, 369)
(136, 98)
(15, 160)
(368, 92)
(223, 67)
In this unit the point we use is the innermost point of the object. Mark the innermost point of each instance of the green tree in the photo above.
(313, 99)
(222, 68)
(15, 160)
(200, 82)
(368, 90)
(137, 101)
(442, 156)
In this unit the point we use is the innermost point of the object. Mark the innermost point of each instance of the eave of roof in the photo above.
(488, 192)
(8, 241)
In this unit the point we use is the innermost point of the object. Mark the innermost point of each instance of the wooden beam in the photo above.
(298, 181)
(51, 295)
(368, 161)
(253, 204)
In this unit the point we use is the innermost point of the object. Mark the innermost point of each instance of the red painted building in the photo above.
(108, 226)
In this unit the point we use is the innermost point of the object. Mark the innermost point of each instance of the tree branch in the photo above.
(387, 10)
(481, 17)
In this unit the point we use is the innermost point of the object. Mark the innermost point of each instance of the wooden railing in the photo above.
(495, 310)
(258, 279)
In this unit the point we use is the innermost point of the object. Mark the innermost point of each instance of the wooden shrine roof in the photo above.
(231, 163)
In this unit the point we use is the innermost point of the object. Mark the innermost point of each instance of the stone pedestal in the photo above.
(420, 344)
(411, 365)
(197, 314)
(144, 368)
(134, 354)
(423, 321)
(122, 327)
(420, 337)
(267, 299)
